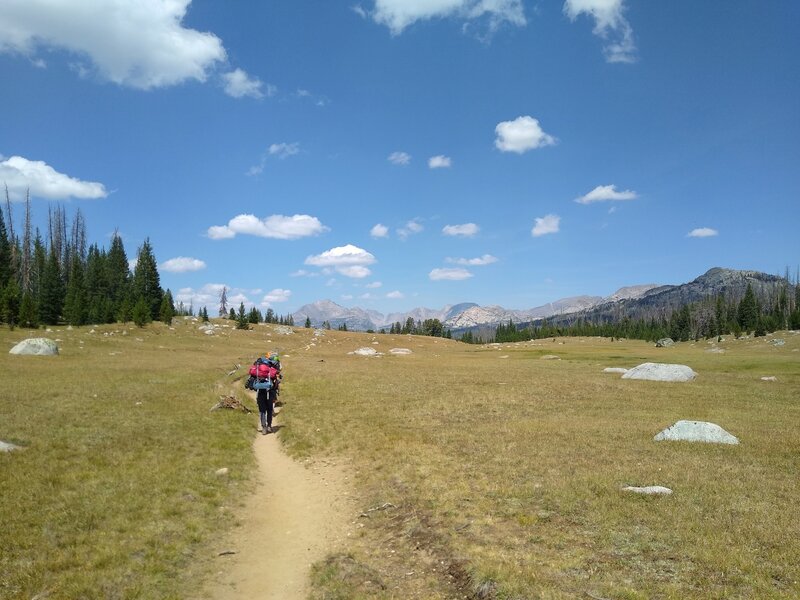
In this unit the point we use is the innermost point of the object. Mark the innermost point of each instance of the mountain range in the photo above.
(631, 301)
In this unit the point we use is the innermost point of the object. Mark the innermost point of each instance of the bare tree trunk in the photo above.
(27, 251)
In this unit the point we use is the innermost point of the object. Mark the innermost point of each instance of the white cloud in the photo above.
(132, 262)
(139, 44)
(486, 259)
(209, 294)
(603, 193)
(395, 295)
(466, 230)
(43, 181)
(412, 227)
(276, 295)
(439, 162)
(374, 285)
(303, 273)
(449, 274)
(354, 271)
(520, 135)
(284, 150)
(546, 224)
(399, 14)
(239, 84)
(379, 231)
(347, 296)
(399, 158)
(276, 226)
(366, 296)
(609, 24)
(357, 8)
(183, 264)
(350, 261)
(702, 232)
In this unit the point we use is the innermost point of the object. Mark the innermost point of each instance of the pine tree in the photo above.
(204, 315)
(75, 309)
(10, 303)
(167, 309)
(118, 278)
(241, 318)
(98, 305)
(27, 311)
(747, 314)
(141, 312)
(290, 321)
(308, 323)
(51, 298)
(223, 302)
(232, 315)
(6, 266)
(146, 281)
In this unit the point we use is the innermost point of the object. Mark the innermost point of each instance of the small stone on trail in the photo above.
(770, 378)
(615, 370)
(221, 472)
(660, 372)
(696, 431)
(36, 347)
(8, 447)
(650, 490)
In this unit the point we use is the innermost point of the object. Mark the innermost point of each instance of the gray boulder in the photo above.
(660, 372)
(615, 370)
(36, 347)
(665, 343)
(7, 447)
(650, 490)
(696, 431)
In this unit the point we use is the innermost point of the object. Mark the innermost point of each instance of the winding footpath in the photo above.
(298, 514)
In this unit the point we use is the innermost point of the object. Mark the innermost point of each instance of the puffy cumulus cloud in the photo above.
(449, 274)
(399, 14)
(702, 232)
(139, 44)
(374, 285)
(520, 135)
(546, 224)
(605, 193)
(610, 24)
(278, 227)
(395, 295)
(486, 259)
(183, 264)
(276, 295)
(399, 158)
(20, 175)
(209, 296)
(410, 228)
(439, 162)
(239, 84)
(379, 231)
(465, 230)
(350, 261)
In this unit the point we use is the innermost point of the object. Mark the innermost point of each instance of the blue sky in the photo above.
(400, 153)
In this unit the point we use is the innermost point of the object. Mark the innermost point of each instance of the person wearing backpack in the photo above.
(262, 376)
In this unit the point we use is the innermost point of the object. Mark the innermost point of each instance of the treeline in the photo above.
(709, 318)
(57, 278)
(429, 327)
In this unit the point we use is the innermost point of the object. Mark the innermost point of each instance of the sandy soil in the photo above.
(298, 514)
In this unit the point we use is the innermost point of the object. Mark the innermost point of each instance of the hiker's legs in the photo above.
(270, 411)
(264, 407)
(263, 420)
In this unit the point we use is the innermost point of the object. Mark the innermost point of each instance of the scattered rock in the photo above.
(8, 447)
(319, 333)
(615, 370)
(716, 350)
(209, 332)
(778, 342)
(221, 472)
(283, 330)
(665, 343)
(504, 356)
(650, 490)
(365, 351)
(696, 431)
(36, 347)
(400, 351)
(550, 357)
(769, 378)
(660, 372)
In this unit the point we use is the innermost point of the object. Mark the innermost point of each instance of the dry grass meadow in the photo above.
(492, 473)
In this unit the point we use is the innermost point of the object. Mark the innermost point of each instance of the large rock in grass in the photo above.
(665, 343)
(7, 447)
(400, 351)
(696, 431)
(649, 490)
(365, 351)
(36, 347)
(660, 372)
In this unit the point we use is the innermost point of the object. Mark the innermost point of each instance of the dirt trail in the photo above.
(298, 514)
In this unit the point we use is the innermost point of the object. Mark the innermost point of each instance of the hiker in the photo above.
(274, 361)
(263, 378)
